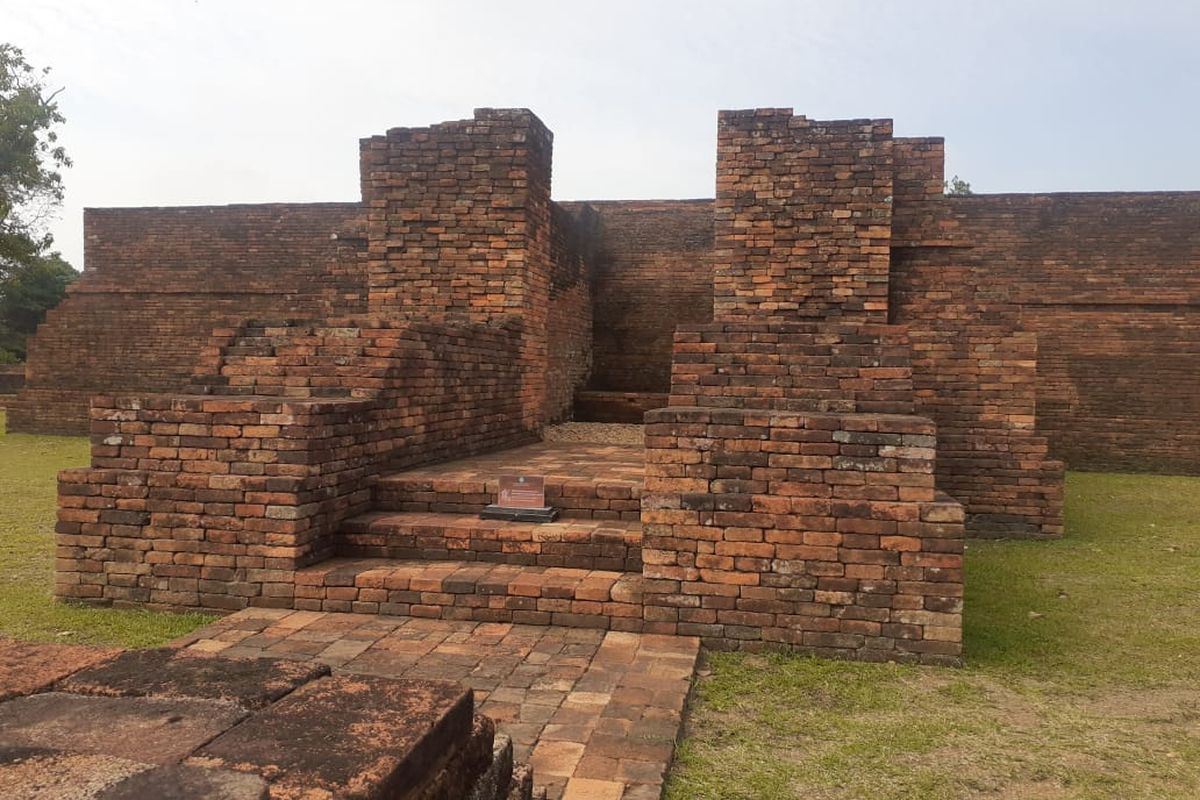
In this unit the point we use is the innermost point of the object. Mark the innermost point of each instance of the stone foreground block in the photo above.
(168, 673)
(344, 734)
(142, 729)
(165, 724)
(27, 667)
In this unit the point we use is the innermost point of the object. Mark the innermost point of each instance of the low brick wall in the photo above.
(820, 533)
(199, 501)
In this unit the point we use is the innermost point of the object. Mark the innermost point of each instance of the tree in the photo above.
(956, 185)
(33, 278)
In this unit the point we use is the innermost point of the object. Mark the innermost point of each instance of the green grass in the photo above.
(28, 465)
(1082, 678)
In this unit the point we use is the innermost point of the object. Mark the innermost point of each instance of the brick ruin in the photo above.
(842, 371)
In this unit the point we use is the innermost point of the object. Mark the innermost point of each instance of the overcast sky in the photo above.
(237, 101)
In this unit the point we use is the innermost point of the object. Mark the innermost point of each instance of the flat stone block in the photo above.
(28, 667)
(181, 782)
(141, 729)
(169, 673)
(36, 773)
(354, 736)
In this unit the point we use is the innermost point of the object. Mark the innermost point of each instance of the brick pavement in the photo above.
(596, 713)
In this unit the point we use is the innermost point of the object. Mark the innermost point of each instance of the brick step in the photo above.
(576, 543)
(575, 497)
(461, 590)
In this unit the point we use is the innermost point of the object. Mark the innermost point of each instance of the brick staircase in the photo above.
(424, 551)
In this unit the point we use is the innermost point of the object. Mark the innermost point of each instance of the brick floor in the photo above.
(596, 713)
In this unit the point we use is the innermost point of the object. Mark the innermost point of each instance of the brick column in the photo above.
(458, 229)
(803, 217)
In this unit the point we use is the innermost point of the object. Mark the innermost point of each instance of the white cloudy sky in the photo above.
(218, 101)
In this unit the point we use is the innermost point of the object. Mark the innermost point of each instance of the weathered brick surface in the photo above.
(459, 230)
(569, 316)
(213, 501)
(793, 366)
(803, 217)
(652, 272)
(979, 383)
(817, 532)
(573, 598)
(156, 282)
(1110, 283)
(575, 543)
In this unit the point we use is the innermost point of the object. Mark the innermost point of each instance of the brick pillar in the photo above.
(803, 217)
(458, 229)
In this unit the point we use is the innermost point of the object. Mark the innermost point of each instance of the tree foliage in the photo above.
(33, 278)
(957, 186)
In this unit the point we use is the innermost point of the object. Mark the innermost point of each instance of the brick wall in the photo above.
(1110, 283)
(816, 532)
(979, 383)
(569, 315)
(214, 501)
(157, 280)
(459, 229)
(793, 366)
(653, 272)
(803, 217)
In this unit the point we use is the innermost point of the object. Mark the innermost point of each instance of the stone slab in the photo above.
(169, 673)
(148, 730)
(353, 736)
(38, 773)
(182, 782)
(28, 667)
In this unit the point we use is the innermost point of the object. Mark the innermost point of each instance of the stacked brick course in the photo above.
(818, 532)
(803, 217)
(794, 366)
(459, 229)
(214, 501)
(158, 280)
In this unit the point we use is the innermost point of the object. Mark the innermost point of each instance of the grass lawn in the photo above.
(28, 465)
(1082, 678)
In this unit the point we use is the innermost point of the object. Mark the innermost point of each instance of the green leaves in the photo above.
(32, 278)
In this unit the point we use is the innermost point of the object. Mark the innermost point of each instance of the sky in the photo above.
(193, 102)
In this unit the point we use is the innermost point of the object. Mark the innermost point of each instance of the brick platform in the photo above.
(584, 480)
(595, 713)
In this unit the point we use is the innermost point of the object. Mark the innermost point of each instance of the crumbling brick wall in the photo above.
(214, 501)
(459, 230)
(157, 280)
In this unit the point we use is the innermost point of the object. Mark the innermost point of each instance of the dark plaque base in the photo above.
(543, 514)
